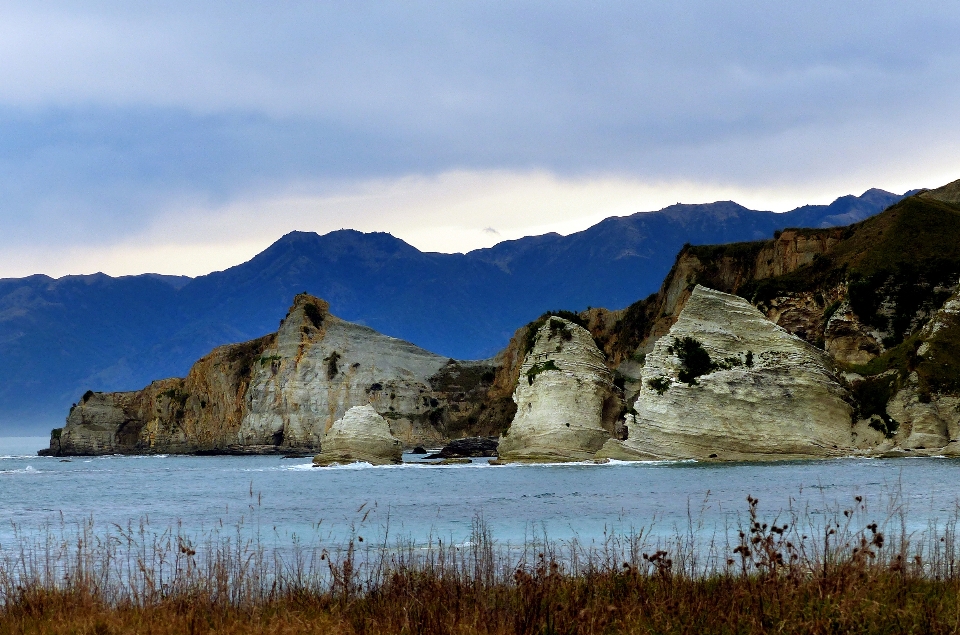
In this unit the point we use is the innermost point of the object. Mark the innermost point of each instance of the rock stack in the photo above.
(726, 383)
(361, 435)
(560, 398)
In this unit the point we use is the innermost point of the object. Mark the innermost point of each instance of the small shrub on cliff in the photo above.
(557, 327)
(886, 426)
(729, 362)
(536, 369)
(87, 395)
(534, 327)
(694, 358)
(176, 396)
(830, 310)
(660, 384)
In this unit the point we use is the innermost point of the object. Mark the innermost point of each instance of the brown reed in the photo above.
(792, 574)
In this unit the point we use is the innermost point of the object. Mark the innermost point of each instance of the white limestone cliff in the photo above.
(782, 402)
(560, 398)
(320, 366)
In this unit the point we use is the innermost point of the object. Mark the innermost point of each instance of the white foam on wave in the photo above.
(402, 466)
(108, 457)
(607, 463)
(26, 470)
(296, 467)
(471, 465)
(486, 464)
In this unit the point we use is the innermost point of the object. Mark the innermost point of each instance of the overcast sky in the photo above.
(183, 137)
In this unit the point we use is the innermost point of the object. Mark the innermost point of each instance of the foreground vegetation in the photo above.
(846, 575)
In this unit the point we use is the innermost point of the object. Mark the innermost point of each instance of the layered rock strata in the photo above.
(763, 394)
(360, 436)
(563, 389)
(320, 366)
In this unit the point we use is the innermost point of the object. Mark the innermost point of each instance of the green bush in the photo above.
(694, 358)
(536, 369)
(558, 327)
(661, 384)
(830, 310)
(534, 327)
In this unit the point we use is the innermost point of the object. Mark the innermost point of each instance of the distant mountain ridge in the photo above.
(61, 337)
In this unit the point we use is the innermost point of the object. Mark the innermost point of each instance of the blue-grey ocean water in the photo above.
(287, 497)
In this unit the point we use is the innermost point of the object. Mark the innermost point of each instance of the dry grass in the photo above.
(794, 576)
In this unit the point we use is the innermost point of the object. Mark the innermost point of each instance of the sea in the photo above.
(285, 500)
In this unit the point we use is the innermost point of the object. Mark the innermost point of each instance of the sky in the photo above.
(185, 137)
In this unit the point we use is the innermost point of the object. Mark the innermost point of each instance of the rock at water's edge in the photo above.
(560, 396)
(467, 447)
(786, 403)
(361, 435)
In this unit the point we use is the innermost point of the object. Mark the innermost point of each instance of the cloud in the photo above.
(120, 118)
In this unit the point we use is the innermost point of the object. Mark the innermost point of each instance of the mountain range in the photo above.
(60, 337)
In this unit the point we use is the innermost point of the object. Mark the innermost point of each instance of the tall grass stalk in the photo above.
(797, 571)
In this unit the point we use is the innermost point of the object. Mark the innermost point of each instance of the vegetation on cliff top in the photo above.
(530, 338)
(897, 263)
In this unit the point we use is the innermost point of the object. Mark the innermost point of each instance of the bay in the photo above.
(281, 500)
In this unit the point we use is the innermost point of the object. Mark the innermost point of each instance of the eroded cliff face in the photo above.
(562, 393)
(320, 366)
(924, 410)
(361, 435)
(199, 413)
(848, 339)
(283, 392)
(763, 393)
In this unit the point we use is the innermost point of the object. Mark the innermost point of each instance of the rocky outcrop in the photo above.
(848, 340)
(926, 408)
(468, 447)
(761, 393)
(282, 393)
(320, 366)
(97, 424)
(561, 394)
(200, 413)
(360, 436)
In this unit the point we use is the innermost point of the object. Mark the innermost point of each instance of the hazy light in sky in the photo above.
(185, 137)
